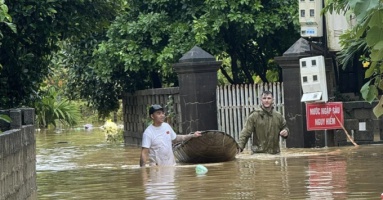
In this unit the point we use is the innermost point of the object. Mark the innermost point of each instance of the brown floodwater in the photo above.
(79, 164)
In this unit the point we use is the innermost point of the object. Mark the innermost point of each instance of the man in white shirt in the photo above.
(158, 138)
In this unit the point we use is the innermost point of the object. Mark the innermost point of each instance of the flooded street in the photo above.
(79, 164)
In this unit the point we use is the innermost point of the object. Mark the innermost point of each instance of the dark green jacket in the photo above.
(265, 127)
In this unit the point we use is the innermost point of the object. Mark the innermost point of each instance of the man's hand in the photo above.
(284, 133)
(197, 134)
(239, 150)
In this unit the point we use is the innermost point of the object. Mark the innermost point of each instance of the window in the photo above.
(312, 12)
(305, 79)
(315, 78)
(313, 63)
(303, 63)
(303, 14)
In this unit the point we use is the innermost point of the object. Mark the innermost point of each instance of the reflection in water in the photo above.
(327, 177)
(81, 165)
(159, 184)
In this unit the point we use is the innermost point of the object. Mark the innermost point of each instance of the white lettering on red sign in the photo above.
(315, 111)
(319, 122)
(330, 121)
(326, 110)
(336, 110)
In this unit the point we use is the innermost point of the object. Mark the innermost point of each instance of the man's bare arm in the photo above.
(144, 156)
(181, 138)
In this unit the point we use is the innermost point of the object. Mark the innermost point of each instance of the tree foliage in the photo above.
(5, 18)
(252, 33)
(149, 36)
(114, 46)
(365, 39)
(26, 55)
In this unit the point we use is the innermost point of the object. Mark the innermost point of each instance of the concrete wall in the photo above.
(18, 155)
(360, 121)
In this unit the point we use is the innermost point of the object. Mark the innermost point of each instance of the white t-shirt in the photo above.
(159, 142)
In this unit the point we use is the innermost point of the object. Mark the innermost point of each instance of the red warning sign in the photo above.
(324, 116)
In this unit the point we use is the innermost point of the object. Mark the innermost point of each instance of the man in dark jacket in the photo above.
(266, 125)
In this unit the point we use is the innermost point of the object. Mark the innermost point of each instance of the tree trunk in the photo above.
(234, 69)
(156, 80)
(223, 71)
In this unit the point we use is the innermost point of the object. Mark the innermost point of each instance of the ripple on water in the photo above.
(86, 167)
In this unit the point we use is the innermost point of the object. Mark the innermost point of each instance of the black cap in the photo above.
(154, 108)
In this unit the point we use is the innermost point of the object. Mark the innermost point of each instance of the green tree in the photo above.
(365, 39)
(149, 36)
(5, 18)
(26, 55)
(251, 32)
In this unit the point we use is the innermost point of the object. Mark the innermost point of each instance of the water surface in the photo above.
(77, 164)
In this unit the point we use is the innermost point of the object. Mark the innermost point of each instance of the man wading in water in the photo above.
(158, 138)
(266, 125)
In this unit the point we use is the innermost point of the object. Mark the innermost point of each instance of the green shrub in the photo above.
(53, 107)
